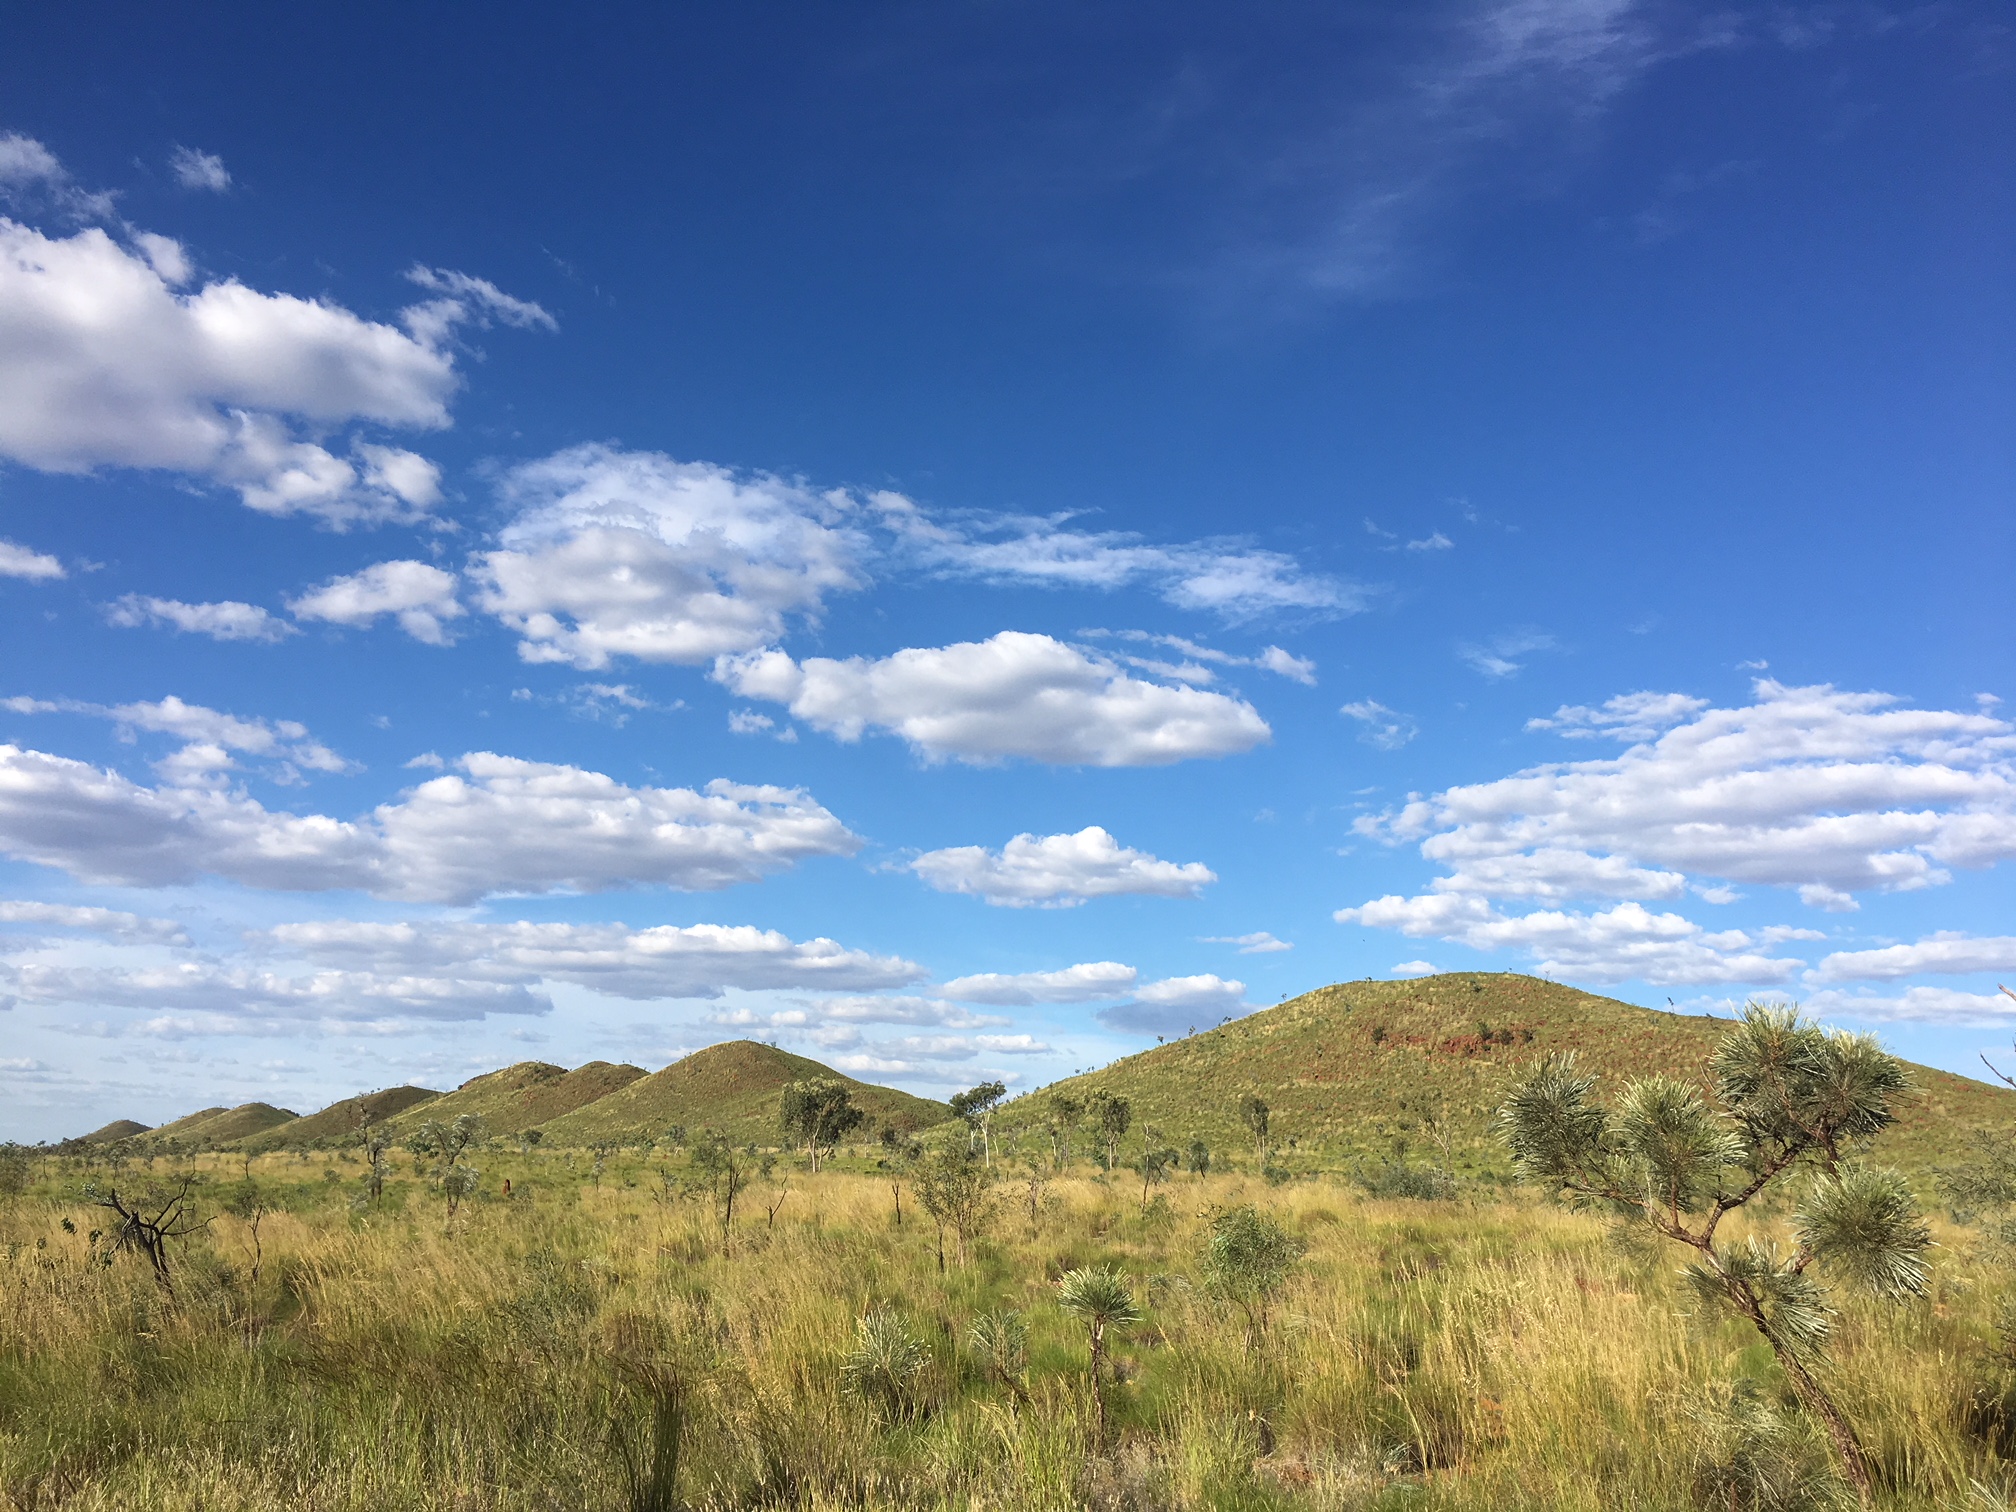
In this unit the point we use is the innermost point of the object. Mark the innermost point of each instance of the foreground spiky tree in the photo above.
(1100, 1298)
(1792, 1101)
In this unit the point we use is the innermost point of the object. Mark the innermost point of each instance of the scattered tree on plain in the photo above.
(976, 1108)
(817, 1114)
(1248, 1257)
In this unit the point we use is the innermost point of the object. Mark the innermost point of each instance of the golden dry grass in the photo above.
(1440, 1356)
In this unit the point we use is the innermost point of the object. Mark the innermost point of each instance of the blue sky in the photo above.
(962, 538)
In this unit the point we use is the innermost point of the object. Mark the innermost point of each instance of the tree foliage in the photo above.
(1248, 1257)
(1791, 1100)
(817, 1114)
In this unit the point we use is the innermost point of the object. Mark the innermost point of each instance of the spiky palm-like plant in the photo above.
(1001, 1339)
(1789, 1098)
(1100, 1298)
(885, 1364)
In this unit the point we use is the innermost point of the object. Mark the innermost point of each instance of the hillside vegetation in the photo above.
(524, 1096)
(1365, 1071)
(343, 1120)
(735, 1088)
(230, 1125)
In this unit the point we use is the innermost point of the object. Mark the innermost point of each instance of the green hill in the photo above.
(735, 1088)
(341, 1121)
(525, 1096)
(113, 1132)
(1363, 1070)
(227, 1125)
(180, 1128)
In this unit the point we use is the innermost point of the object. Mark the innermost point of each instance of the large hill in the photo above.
(341, 1122)
(524, 1096)
(222, 1126)
(1354, 1071)
(735, 1088)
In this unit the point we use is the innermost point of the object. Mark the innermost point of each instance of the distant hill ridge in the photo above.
(1354, 1072)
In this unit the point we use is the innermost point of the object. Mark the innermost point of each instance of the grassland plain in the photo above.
(1356, 1071)
(1432, 1355)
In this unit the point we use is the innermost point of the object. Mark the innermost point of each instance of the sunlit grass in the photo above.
(1424, 1355)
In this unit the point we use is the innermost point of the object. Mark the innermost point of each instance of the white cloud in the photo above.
(211, 997)
(1384, 729)
(1494, 658)
(1260, 942)
(1087, 982)
(1413, 969)
(1628, 716)
(1012, 1044)
(211, 735)
(505, 826)
(1014, 695)
(467, 300)
(30, 172)
(199, 170)
(419, 596)
(1199, 660)
(1624, 943)
(1229, 578)
(666, 961)
(1828, 792)
(1947, 952)
(615, 553)
(110, 922)
(1175, 1004)
(227, 620)
(1921, 1005)
(886, 1010)
(108, 360)
(1434, 542)
(19, 561)
(1059, 871)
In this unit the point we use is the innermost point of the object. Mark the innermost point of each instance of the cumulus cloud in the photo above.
(1059, 871)
(1014, 695)
(1175, 1004)
(1260, 942)
(420, 597)
(112, 923)
(1628, 716)
(613, 553)
(20, 562)
(499, 825)
(1946, 952)
(1231, 579)
(205, 996)
(199, 170)
(109, 359)
(210, 735)
(1625, 943)
(225, 620)
(1919, 1005)
(1087, 982)
(1806, 788)
(1380, 727)
(665, 961)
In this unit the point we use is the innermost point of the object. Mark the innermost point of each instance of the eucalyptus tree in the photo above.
(1255, 1114)
(1792, 1103)
(1248, 1257)
(976, 1108)
(1114, 1115)
(818, 1113)
(957, 1192)
(1066, 1113)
